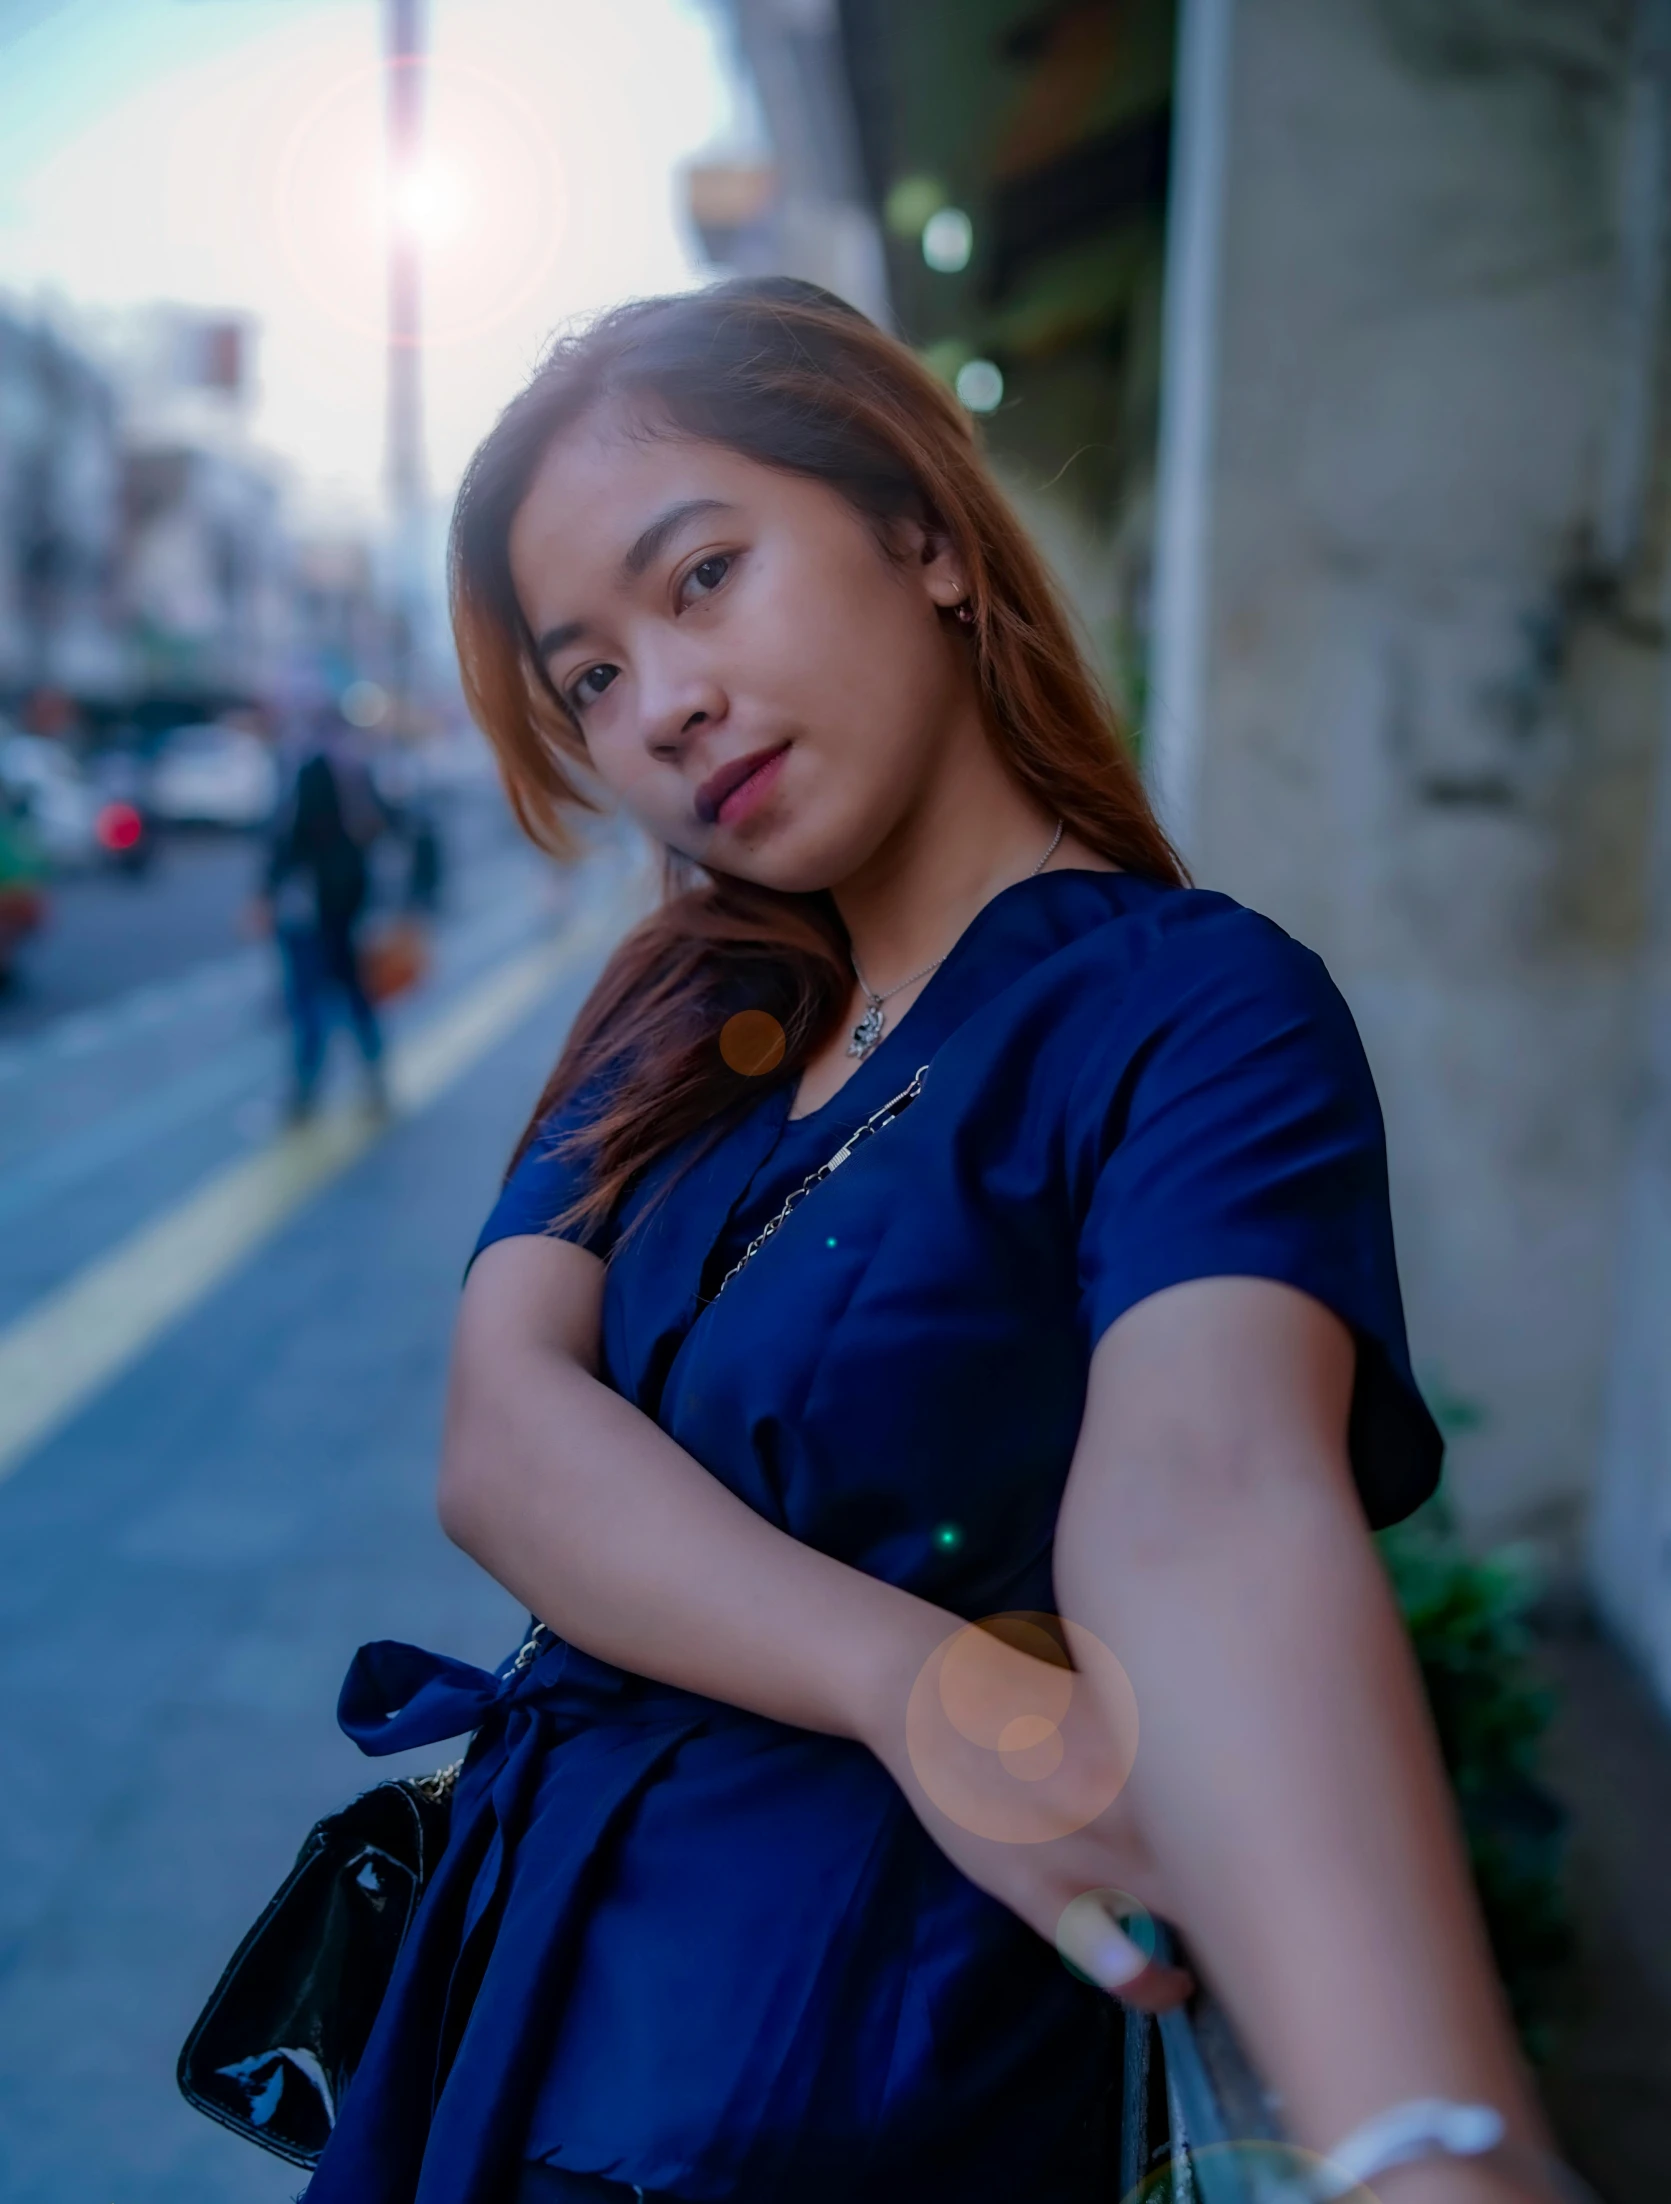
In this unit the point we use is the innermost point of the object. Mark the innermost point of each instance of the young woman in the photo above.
(762, 1854)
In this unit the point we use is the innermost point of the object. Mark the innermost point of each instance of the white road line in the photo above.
(81, 1032)
(86, 1332)
(46, 1172)
(45, 1175)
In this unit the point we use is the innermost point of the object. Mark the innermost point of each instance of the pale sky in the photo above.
(226, 153)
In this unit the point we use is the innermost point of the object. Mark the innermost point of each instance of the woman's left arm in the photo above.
(1287, 1775)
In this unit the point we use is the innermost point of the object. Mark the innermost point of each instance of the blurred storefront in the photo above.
(60, 524)
(203, 577)
(151, 568)
(1325, 349)
(204, 580)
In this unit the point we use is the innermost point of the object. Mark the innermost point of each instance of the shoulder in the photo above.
(1187, 991)
(1168, 956)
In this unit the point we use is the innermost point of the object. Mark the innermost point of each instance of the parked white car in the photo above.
(213, 776)
(45, 782)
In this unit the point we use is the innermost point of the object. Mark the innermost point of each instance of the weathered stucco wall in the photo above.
(1631, 1523)
(1430, 697)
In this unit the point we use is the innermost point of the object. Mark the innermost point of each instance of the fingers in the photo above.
(1156, 1989)
(1110, 1940)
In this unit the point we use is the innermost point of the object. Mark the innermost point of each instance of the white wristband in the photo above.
(1427, 2127)
(1437, 2127)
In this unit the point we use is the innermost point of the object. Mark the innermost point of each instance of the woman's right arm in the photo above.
(624, 1544)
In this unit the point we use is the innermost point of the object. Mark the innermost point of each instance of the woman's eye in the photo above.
(591, 685)
(707, 574)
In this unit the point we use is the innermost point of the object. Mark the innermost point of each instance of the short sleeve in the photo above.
(1239, 1135)
(545, 1181)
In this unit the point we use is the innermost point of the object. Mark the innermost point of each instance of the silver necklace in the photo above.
(869, 1029)
(872, 1125)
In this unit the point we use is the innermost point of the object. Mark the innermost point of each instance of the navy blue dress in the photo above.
(714, 1956)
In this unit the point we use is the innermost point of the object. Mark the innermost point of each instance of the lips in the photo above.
(729, 777)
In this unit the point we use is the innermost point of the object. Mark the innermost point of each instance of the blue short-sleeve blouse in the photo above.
(702, 1952)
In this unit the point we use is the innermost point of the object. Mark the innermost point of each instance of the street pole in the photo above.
(404, 54)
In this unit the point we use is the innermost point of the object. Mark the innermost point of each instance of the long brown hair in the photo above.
(793, 378)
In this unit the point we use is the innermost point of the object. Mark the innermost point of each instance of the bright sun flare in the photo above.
(429, 202)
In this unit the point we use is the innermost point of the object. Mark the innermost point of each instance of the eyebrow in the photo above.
(663, 529)
(643, 552)
(558, 638)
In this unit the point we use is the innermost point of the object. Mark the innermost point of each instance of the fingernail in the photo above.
(1105, 1937)
(1112, 1960)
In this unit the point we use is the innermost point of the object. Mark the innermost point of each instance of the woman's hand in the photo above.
(1014, 1764)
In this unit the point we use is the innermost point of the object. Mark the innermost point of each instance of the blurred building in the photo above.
(204, 570)
(808, 211)
(204, 590)
(733, 206)
(60, 474)
(150, 571)
(339, 613)
(1326, 349)
(994, 174)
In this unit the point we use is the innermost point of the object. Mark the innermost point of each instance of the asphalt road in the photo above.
(198, 1538)
(107, 932)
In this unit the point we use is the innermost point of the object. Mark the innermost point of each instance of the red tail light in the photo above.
(119, 826)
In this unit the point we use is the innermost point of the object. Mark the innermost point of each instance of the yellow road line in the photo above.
(94, 1326)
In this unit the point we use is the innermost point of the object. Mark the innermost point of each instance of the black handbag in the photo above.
(273, 2050)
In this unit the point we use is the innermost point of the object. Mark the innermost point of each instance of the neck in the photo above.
(971, 834)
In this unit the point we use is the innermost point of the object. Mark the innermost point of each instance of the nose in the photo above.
(678, 695)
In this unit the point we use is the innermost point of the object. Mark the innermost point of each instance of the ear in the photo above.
(935, 557)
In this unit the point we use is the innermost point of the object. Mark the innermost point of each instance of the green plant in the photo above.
(1468, 1617)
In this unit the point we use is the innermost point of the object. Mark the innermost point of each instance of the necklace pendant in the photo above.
(868, 1031)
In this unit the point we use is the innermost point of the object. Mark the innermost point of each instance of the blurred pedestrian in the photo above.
(426, 860)
(315, 888)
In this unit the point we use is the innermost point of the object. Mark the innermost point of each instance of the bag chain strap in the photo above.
(872, 1125)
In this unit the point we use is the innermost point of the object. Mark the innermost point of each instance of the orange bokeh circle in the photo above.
(752, 1042)
(1012, 1743)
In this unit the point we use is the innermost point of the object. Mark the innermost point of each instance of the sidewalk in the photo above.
(186, 1565)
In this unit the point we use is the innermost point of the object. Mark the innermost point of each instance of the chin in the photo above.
(786, 852)
(769, 868)
(779, 860)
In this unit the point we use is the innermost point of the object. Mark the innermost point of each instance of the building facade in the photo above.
(150, 569)
(60, 524)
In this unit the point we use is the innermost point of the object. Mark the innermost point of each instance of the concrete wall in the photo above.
(1631, 1525)
(1414, 704)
